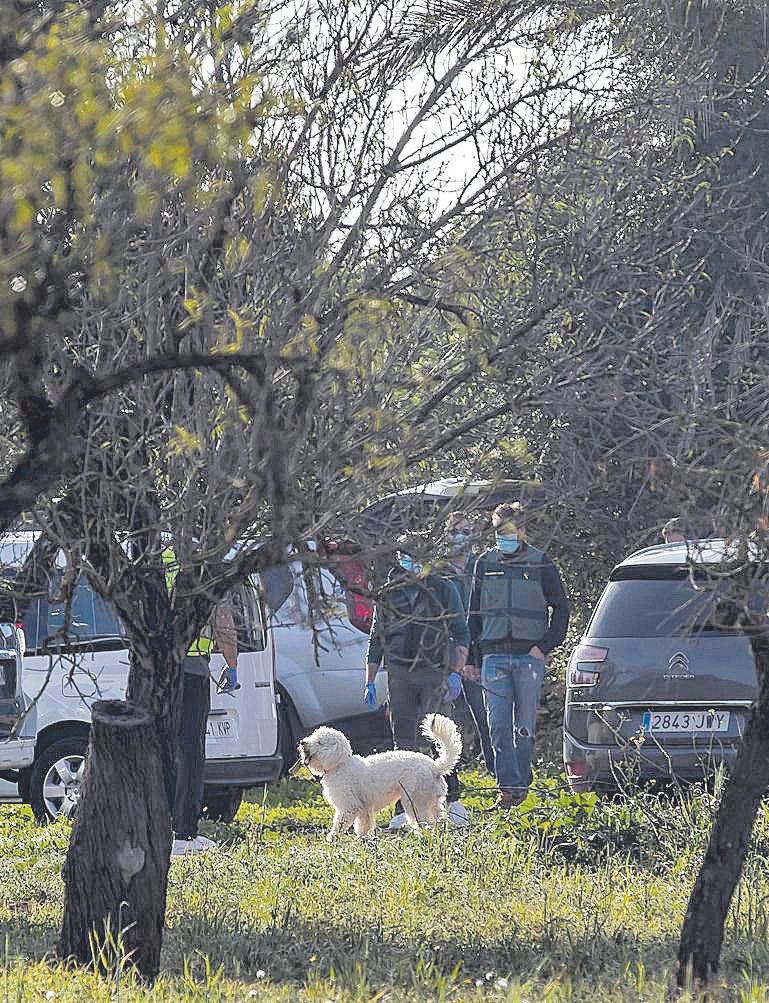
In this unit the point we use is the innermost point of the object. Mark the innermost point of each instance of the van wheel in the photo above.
(223, 806)
(55, 779)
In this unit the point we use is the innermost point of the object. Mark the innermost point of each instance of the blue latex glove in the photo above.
(369, 696)
(228, 680)
(454, 685)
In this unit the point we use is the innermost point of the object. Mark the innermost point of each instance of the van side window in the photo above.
(249, 622)
(90, 618)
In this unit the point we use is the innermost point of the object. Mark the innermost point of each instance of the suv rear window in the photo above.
(651, 608)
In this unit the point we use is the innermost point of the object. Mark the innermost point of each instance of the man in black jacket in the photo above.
(419, 632)
(518, 613)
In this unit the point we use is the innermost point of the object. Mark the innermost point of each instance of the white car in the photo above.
(63, 678)
(320, 659)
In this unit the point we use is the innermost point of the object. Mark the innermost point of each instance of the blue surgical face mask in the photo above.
(460, 539)
(507, 542)
(409, 564)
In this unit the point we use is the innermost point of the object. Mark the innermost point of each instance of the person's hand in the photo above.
(454, 685)
(472, 673)
(369, 696)
(228, 680)
(537, 653)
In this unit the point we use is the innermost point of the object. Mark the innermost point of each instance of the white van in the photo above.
(63, 679)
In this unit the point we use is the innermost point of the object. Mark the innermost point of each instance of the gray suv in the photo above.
(655, 688)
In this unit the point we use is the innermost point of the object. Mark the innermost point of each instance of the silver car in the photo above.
(655, 688)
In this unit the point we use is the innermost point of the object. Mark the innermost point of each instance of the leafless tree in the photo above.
(271, 325)
(677, 423)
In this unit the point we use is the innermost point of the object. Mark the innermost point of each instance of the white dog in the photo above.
(357, 787)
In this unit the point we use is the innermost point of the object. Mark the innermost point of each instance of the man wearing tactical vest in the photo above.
(419, 631)
(518, 613)
(193, 720)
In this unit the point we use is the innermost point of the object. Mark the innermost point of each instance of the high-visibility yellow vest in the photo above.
(204, 643)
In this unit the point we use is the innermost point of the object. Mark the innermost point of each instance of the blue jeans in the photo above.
(511, 689)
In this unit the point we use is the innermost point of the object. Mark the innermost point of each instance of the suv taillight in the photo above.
(584, 665)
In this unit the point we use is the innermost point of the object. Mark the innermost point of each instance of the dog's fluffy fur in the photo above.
(358, 787)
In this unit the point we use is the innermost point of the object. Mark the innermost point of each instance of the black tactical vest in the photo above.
(415, 625)
(513, 605)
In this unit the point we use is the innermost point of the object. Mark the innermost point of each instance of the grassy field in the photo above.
(568, 900)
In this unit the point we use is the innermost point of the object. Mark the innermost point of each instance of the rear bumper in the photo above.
(242, 772)
(604, 766)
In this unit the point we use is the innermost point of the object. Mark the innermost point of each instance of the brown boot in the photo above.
(506, 800)
(509, 799)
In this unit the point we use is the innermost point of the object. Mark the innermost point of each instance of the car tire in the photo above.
(223, 806)
(55, 778)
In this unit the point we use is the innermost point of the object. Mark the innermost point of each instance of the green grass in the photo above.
(571, 900)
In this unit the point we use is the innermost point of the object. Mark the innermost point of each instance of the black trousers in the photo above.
(412, 696)
(191, 755)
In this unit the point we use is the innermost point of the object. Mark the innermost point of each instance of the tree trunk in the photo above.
(702, 935)
(116, 872)
(154, 683)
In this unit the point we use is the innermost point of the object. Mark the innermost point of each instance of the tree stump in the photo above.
(116, 871)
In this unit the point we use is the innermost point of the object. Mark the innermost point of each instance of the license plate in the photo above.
(685, 720)
(221, 726)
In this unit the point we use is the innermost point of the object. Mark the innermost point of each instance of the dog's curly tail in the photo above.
(445, 734)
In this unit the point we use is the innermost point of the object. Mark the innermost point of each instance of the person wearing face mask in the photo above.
(460, 561)
(518, 614)
(419, 632)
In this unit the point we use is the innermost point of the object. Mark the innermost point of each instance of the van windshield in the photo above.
(652, 608)
(88, 618)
